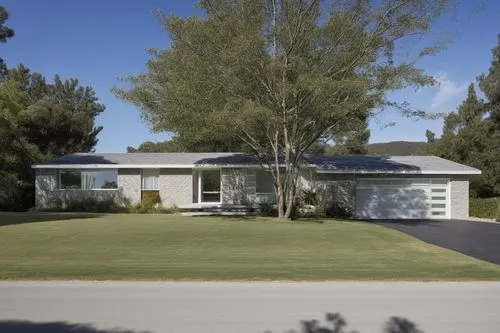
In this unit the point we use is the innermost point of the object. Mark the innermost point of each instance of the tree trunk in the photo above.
(290, 193)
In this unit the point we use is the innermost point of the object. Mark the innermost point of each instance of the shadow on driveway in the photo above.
(476, 239)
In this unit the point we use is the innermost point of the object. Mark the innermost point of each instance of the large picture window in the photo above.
(210, 186)
(150, 179)
(264, 182)
(88, 179)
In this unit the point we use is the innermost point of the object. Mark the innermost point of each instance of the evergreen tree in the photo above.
(38, 121)
(472, 134)
(5, 33)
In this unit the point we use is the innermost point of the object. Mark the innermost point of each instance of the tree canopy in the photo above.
(471, 135)
(38, 121)
(5, 33)
(279, 75)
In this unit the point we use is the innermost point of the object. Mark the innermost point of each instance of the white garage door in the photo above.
(396, 198)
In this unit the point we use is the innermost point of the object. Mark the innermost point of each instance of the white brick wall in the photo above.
(336, 188)
(129, 180)
(459, 197)
(176, 186)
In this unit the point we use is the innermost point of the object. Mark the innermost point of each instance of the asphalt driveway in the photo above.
(476, 239)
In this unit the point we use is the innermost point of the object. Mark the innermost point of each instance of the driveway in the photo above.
(244, 307)
(476, 239)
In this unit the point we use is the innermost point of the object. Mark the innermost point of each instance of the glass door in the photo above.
(210, 186)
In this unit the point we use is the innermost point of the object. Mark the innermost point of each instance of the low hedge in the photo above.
(485, 207)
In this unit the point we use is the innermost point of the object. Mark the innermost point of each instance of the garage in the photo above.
(402, 198)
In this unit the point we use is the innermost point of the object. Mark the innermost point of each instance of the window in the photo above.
(210, 186)
(150, 179)
(88, 179)
(264, 182)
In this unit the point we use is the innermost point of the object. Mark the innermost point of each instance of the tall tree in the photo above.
(5, 33)
(490, 85)
(186, 144)
(40, 120)
(472, 134)
(280, 74)
(353, 138)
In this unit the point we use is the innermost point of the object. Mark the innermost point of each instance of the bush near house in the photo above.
(150, 203)
(339, 210)
(498, 212)
(485, 207)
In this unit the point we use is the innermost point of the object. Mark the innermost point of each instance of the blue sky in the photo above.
(100, 41)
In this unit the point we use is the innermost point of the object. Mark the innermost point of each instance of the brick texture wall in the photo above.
(129, 180)
(176, 186)
(459, 197)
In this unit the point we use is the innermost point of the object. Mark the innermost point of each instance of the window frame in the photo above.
(200, 187)
(257, 182)
(80, 171)
(157, 175)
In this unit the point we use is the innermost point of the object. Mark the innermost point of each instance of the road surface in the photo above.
(56, 307)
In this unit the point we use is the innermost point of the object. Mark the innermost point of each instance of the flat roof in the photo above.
(323, 164)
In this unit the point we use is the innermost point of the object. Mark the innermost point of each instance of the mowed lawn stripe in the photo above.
(128, 246)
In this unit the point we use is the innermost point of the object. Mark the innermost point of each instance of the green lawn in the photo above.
(93, 246)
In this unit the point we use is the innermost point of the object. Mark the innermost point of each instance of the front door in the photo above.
(210, 186)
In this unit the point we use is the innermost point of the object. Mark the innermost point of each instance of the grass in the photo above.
(485, 207)
(128, 246)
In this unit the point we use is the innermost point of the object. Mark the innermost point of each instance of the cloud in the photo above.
(448, 95)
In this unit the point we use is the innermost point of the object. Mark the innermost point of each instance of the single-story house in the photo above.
(373, 186)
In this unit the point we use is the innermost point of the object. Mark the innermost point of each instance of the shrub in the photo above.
(498, 210)
(484, 207)
(339, 210)
(141, 208)
(309, 197)
(169, 210)
(268, 209)
(54, 203)
(91, 204)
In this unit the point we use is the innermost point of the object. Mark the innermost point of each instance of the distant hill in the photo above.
(400, 148)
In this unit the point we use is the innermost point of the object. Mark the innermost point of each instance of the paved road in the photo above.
(29, 307)
(476, 239)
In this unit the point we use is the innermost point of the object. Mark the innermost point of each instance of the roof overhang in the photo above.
(140, 166)
(402, 172)
(212, 166)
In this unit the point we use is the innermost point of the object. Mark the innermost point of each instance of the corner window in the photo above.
(264, 181)
(88, 179)
(150, 179)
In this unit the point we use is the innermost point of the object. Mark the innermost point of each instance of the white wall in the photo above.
(129, 181)
(176, 186)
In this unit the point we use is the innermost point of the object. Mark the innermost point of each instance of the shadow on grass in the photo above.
(34, 217)
(335, 323)
(269, 219)
(14, 326)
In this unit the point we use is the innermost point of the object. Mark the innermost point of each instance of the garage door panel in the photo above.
(403, 203)
(370, 203)
(401, 198)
